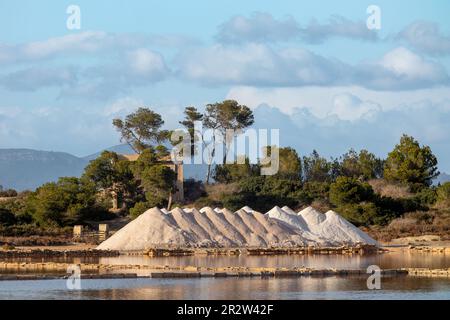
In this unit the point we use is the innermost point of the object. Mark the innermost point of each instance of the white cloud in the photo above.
(87, 43)
(146, 63)
(264, 28)
(256, 64)
(332, 135)
(321, 100)
(426, 37)
(337, 26)
(260, 27)
(349, 107)
(409, 67)
(260, 65)
(34, 78)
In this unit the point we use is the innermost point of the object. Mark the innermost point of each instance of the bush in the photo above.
(7, 218)
(348, 190)
(365, 214)
(443, 194)
(26, 230)
(8, 193)
(138, 209)
(62, 203)
(426, 197)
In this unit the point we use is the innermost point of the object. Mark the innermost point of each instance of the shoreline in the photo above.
(52, 271)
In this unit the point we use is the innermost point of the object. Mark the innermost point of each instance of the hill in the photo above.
(26, 169)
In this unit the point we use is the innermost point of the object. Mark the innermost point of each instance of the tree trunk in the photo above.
(213, 153)
(208, 173)
(115, 200)
(169, 202)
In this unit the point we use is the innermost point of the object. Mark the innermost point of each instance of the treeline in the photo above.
(343, 184)
(111, 185)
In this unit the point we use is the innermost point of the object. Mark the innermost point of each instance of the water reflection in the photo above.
(385, 261)
(231, 288)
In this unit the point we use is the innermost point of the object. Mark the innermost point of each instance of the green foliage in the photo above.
(141, 128)
(7, 218)
(290, 164)
(139, 208)
(7, 192)
(365, 214)
(223, 116)
(63, 203)
(112, 175)
(349, 191)
(158, 182)
(191, 116)
(426, 197)
(363, 166)
(411, 164)
(228, 173)
(443, 194)
(316, 168)
(263, 192)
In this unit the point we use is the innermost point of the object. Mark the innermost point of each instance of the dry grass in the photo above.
(388, 189)
(433, 222)
(217, 191)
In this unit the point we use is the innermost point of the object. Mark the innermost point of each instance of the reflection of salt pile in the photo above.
(217, 227)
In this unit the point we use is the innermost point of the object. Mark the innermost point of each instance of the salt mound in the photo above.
(356, 235)
(223, 228)
(281, 215)
(151, 228)
(312, 216)
(289, 210)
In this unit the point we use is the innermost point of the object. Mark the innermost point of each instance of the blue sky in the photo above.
(315, 63)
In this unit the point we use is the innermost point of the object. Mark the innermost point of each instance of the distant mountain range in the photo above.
(27, 169)
(442, 178)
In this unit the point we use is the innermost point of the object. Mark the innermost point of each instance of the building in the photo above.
(177, 167)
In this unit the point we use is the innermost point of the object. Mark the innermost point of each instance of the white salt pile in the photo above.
(289, 210)
(217, 227)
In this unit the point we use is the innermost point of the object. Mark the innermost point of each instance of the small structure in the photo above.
(175, 166)
(77, 231)
(103, 232)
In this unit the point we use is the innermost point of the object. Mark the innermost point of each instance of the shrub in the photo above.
(348, 190)
(443, 194)
(138, 209)
(7, 218)
(365, 214)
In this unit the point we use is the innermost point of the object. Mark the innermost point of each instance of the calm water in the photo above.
(230, 288)
(250, 288)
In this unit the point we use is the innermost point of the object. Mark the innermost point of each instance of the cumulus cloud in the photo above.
(337, 26)
(350, 107)
(426, 37)
(257, 64)
(264, 28)
(332, 136)
(87, 43)
(132, 68)
(34, 78)
(402, 69)
(259, 27)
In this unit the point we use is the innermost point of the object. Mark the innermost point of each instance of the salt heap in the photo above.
(332, 226)
(153, 226)
(217, 227)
